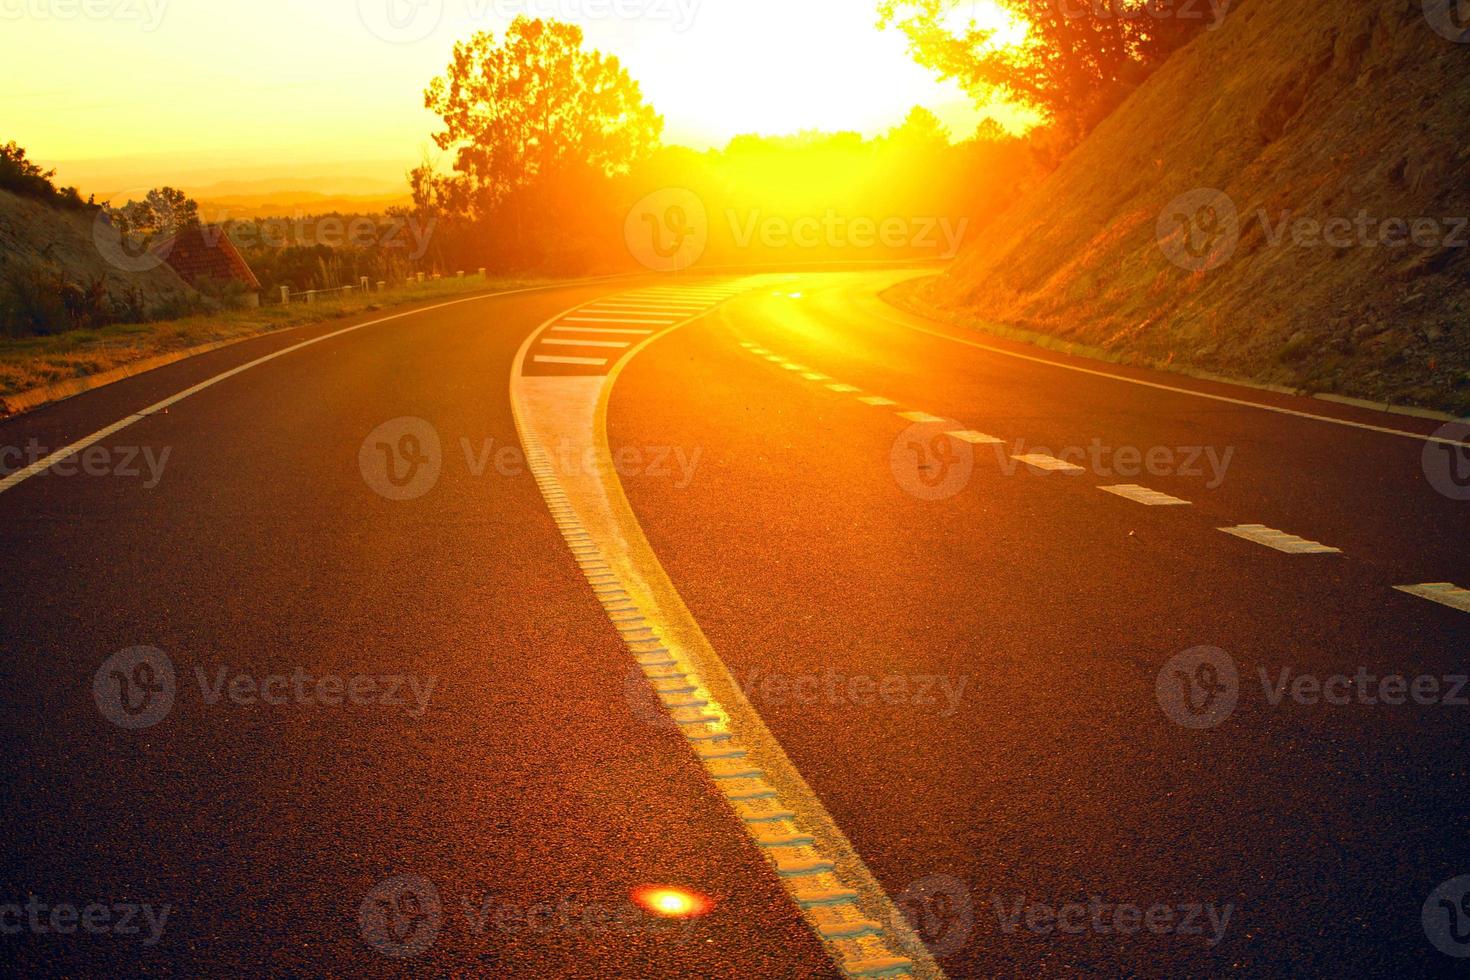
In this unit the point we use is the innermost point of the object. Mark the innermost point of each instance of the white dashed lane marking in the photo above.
(1050, 464)
(877, 400)
(625, 315)
(1145, 496)
(1280, 540)
(975, 438)
(1444, 593)
(558, 342)
(618, 319)
(924, 417)
(603, 330)
(582, 361)
(843, 389)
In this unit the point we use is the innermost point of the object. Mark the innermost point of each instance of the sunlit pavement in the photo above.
(403, 738)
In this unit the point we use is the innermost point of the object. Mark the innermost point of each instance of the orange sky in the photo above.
(194, 91)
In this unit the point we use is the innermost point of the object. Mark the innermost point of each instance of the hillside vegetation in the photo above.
(61, 269)
(1285, 200)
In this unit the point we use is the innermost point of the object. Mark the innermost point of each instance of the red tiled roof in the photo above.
(198, 253)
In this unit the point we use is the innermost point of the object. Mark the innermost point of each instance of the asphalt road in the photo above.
(973, 663)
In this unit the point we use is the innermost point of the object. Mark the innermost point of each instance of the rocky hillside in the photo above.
(1286, 200)
(41, 243)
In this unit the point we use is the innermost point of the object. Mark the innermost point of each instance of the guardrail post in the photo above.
(311, 295)
(382, 285)
(286, 294)
(482, 272)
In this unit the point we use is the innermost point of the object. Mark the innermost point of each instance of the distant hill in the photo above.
(1161, 238)
(290, 204)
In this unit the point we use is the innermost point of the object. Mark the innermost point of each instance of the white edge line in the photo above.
(1385, 430)
(42, 465)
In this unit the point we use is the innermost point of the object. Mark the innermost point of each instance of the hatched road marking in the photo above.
(557, 341)
(1145, 496)
(1444, 593)
(974, 438)
(599, 330)
(559, 359)
(841, 901)
(1050, 464)
(1280, 540)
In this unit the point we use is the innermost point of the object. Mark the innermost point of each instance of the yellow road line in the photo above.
(818, 867)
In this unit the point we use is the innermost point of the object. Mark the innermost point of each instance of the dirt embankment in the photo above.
(1287, 200)
(38, 237)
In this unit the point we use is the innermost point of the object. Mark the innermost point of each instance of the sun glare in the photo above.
(987, 16)
(672, 903)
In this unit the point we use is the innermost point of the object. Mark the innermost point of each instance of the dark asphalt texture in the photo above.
(531, 787)
(534, 794)
(1058, 776)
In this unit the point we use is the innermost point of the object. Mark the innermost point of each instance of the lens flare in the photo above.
(672, 903)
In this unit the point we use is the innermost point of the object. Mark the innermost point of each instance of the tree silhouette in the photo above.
(1077, 63)
(535, 109)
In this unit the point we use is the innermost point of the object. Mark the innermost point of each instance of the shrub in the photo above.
(21, 176)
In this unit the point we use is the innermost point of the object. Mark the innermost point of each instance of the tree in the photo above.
(533, 110)
(21, 175)
(1077, 62)
(920, 128)
(163, 212)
